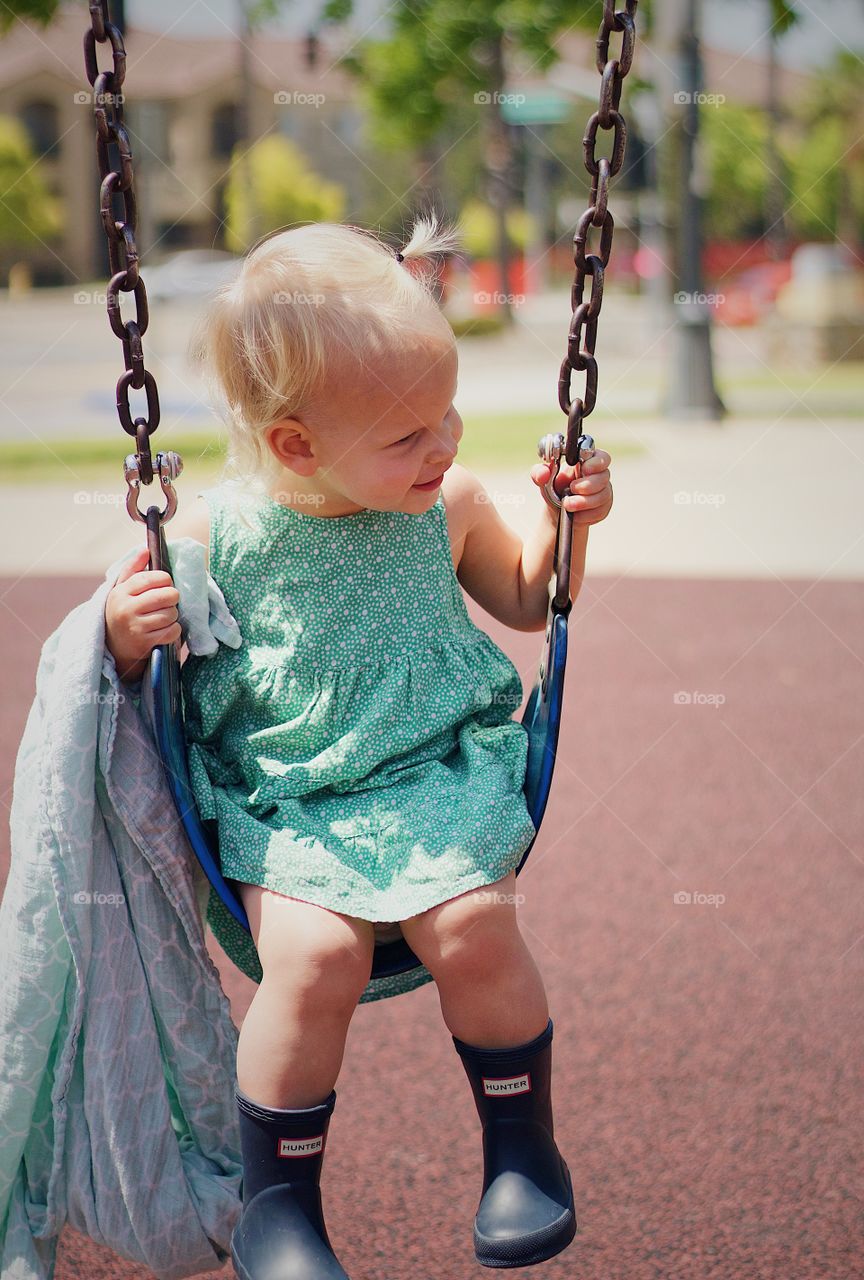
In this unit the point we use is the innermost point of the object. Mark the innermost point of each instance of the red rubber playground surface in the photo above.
(707, 1072)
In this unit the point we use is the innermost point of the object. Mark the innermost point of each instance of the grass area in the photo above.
(491, 442)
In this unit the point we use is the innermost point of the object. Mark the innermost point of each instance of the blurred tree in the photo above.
(735, 138)
(826, 158)
(283, 190)
(41, 11)
(443, 56)
(28, 212)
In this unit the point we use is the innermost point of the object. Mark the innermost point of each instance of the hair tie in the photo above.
(400, 257)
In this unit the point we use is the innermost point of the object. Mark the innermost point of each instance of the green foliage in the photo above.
(819, 172)
(40, 11)
(825, 155)
(28, 212)
(443, 52)
(735, 140)
(275, 183)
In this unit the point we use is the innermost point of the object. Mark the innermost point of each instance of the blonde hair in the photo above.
(309, 301)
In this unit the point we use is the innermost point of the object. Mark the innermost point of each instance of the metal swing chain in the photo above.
(123, 259)
(582, 334)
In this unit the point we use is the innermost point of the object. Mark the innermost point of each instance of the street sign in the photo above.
(534, 108)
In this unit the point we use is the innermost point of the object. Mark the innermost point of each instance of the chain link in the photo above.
(123, 257)
(582, 334)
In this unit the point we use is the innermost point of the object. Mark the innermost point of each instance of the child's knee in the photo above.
(475, 932)
(319, 957)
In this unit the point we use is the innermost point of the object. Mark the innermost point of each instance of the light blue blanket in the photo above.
(117, 1049)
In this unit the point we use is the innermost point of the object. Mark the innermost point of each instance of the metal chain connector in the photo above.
(577, 447)
(582, 335)
(123, 256)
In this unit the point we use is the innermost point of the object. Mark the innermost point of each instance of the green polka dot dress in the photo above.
(358, 751)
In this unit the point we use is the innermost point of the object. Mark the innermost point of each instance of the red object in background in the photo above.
(751, 294)
(648, 264)
(486, 285)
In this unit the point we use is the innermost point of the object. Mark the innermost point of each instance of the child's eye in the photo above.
(404, 439)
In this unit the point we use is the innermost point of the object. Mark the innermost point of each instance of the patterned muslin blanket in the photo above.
(117, 1048)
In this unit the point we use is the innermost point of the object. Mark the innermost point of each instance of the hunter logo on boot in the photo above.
(300, 1146)
(495, 1087)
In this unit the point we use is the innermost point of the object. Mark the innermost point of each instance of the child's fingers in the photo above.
(586, 501)
(133, 566)
(158, 598)
(599, 462)
(591, 484)
(541, 472)
(149, 580)
(159, 620)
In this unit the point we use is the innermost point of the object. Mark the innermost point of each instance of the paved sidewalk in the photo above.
(741, 499)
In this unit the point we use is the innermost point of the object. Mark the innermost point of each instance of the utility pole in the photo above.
(245, 121)
(691, 393)
(775, 202)
(498, 165)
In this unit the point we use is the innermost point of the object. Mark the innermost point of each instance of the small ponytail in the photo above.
(429, 236)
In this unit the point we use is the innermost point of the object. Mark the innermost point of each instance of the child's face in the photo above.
(374, 435)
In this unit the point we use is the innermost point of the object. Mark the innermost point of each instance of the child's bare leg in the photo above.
(316, 964)
(491, 991)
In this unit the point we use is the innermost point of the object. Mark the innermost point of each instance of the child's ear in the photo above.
(288, 441)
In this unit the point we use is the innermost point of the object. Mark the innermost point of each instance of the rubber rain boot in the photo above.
(526, 1213)
(281, 1233)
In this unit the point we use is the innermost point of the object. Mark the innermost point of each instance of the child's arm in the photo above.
(511, 579)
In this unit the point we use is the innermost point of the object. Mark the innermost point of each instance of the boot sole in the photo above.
(494, 1253)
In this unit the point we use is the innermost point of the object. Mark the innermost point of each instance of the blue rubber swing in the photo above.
(542, 716)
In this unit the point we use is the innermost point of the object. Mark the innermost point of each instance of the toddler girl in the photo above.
(358, 750)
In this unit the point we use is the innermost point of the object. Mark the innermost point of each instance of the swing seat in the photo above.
(392, 955)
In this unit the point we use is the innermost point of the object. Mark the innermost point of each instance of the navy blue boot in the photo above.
(526, 1211)
(281, 1233)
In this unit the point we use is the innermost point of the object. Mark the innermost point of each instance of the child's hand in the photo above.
(589, 498)
(140, 613)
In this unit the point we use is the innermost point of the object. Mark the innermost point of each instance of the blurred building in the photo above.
(182, 112)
